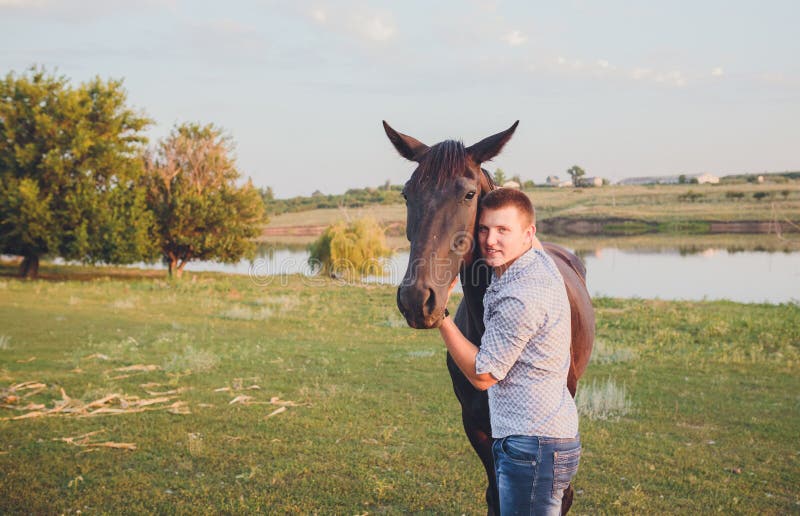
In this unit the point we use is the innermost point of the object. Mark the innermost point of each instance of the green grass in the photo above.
(697, 402)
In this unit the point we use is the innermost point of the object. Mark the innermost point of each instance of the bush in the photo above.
(761, 195)
(690, 196)
(350, 250)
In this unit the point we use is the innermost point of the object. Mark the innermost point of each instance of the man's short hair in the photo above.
(503, 197)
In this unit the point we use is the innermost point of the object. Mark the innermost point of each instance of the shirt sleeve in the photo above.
(511, 324)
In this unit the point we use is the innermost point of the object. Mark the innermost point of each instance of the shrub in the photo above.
(350, 250)
(690, 196)
(761, 195)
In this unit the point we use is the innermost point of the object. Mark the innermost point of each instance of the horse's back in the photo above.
(573, 271)
(558, 252)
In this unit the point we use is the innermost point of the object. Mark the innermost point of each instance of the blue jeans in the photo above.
(532, 472)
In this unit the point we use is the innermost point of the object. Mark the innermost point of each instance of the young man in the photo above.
(523, 359)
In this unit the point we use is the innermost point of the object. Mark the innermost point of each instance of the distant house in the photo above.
(511, 184)
(591, 181)
(706, 178)
(555, 181)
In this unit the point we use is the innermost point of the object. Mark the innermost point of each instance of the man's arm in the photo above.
(464, 352)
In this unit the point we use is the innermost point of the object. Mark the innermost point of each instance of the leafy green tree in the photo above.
(70, 165)
(201, 213)
(528, 185)
(576, 172)
(499, 177)
(350, 250)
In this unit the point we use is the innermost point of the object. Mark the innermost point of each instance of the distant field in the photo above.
(675, 206)
(695, 404)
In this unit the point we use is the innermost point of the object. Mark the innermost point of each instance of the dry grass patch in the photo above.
(603, 353)
(603, 400)
(15, 395)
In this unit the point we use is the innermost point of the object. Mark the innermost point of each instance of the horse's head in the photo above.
(442, 206)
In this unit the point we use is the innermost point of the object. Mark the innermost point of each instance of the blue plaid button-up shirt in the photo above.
(526, 347)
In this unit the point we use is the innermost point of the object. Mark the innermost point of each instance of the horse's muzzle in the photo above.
(418, 304)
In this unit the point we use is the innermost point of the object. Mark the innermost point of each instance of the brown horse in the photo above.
(442, 199)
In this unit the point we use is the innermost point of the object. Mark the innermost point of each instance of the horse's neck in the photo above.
(474, 283)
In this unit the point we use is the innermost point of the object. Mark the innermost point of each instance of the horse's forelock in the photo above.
(444, 161)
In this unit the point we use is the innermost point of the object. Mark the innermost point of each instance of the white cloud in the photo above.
(229, 26)
(319, 15)
(22, 3)
(370, 25)
(374, 27)
(602, 63)
(515, 38)
(717, 72)
(641, 73)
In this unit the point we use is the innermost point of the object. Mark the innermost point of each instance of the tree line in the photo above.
(78, 180)
(352, 198)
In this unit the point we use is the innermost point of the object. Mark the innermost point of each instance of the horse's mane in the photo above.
(445, 160)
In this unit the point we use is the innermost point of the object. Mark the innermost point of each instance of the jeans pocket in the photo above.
(517, 452)
(565, 465)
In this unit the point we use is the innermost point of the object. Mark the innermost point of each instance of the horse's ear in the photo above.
(408, 147)
(490, 147)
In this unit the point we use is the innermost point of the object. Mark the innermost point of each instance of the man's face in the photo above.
(504, 235)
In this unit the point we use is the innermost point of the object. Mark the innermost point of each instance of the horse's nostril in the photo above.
(430, 303)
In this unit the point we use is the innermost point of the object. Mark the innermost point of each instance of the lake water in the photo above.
(744, 276)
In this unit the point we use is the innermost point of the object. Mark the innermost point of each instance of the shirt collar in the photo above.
(516, 268)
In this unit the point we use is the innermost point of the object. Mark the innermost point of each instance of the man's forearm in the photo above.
(464, 352)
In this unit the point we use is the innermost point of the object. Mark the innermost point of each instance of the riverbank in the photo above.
(219, 392)
(608, 210)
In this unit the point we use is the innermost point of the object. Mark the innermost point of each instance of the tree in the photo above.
(201, 213)
(528, 185)
(576, 172)
(350, 250)
(70, 165)
(499, 177)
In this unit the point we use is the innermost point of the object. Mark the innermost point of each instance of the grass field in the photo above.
(687, 407)
(671, 205)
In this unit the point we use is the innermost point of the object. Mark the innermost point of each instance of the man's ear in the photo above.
(530, 232)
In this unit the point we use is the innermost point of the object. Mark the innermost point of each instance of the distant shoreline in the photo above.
(608, 226)
(768, 208)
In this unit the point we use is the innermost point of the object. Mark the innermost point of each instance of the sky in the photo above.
(620, 88)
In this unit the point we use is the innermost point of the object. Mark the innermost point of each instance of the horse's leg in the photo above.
(475, 418)
(566, 500)
(481, 441)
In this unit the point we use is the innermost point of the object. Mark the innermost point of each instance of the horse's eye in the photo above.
(470, 195)
(404, 195)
